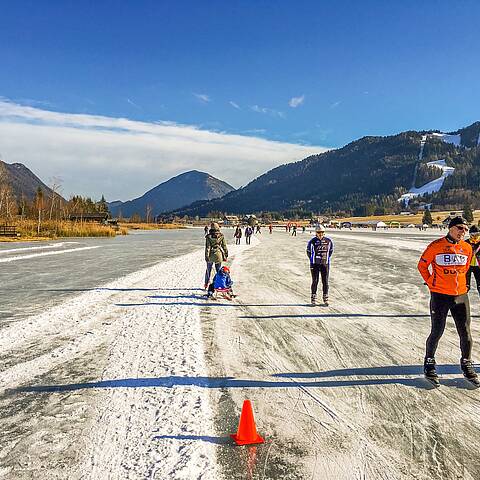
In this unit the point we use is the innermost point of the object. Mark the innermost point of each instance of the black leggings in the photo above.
(459, 307)
(476, 273)
(316, 270)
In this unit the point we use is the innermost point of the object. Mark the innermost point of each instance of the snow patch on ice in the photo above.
(42, 247)
(151, 321)
(44, 254)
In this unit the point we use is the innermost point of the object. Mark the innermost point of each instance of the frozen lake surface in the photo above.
(143, 378)
(35, 276)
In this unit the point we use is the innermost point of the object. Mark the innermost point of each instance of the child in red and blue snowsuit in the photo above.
(221, 281)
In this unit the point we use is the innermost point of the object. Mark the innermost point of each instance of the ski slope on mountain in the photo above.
(143, 378)
(430, 187)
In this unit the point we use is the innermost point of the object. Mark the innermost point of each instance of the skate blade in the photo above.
(433, 381)
(475, 383)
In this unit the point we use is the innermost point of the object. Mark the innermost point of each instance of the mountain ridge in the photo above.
(178, 191)
(23, 181)
(370, 173)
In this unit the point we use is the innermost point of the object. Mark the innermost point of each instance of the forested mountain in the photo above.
(367, 175)
(23, 182)
(179, 191)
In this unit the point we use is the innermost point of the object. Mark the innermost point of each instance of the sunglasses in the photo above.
(462, 229)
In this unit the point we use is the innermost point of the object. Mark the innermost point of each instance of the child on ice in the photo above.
(223, 282)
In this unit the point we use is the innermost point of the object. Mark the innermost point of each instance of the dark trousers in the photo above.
(476, 273)
(237, 240)
(208, 271)
(247, 239)
(318, 270)
(459, 307)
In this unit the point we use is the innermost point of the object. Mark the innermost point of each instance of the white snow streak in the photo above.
(44, 254)
(43, 247)
(453, 139)
(430, 187)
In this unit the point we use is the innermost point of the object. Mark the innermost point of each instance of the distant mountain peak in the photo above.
(23, 181)
(183, 189)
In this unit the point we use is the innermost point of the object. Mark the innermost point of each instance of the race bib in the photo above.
(451, 259)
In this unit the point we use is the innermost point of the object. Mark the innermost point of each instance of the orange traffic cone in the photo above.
(247, 431)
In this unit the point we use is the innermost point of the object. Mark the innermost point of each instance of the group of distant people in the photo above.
(249, 231)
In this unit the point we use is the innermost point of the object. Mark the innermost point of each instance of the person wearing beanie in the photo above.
(443, 266)
(216, 251)
(474, 242)
(319, 251)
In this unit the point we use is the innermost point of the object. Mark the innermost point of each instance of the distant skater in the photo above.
(320, 251)
(206, 230)
(248, 234)
(237, 235)
(474, 268)
(270, 229)
(216, 251)
(443, 266)
(294, 231)
(258, 229)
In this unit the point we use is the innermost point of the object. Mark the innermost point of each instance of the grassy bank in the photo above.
(151, 226)
(59, 229)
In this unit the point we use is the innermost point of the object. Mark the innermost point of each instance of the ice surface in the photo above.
(142, 378)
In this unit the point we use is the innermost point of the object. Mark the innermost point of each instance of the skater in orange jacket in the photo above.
(443, 266)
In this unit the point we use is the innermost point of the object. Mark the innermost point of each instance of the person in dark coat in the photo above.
(216, 251)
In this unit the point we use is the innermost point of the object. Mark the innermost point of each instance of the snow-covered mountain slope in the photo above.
(430, 187)
(445, 137)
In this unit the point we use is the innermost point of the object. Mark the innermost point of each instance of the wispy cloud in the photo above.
(122, 158)
(335, 104)
(234, 105)
(202, 97)
(294, 102)
(133, 104)
(267, 111)
(34, 103)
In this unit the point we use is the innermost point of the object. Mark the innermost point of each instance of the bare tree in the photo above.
(39, 207)
(55, 186)
(148, 212)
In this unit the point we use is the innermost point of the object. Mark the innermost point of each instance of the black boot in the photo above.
(430, 371)
(468, 371)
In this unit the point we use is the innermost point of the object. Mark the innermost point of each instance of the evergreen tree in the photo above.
(427, 217)
(468, 213)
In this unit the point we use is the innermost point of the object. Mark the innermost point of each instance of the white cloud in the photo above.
(294, 102)
(267, 111)
(133, 104)
(202, 97)
(335, 104)
(122, 158)
(234, 105)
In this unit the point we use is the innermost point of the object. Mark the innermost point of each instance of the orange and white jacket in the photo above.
(449, 263)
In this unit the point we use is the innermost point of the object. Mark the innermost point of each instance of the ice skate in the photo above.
(469, 372)
(430, 371)
(313, 300)
(325, 300)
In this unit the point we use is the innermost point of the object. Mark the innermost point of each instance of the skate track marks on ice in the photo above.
(361, 408)
(110, 432)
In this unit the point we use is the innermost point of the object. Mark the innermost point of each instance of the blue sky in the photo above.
(306, 72)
